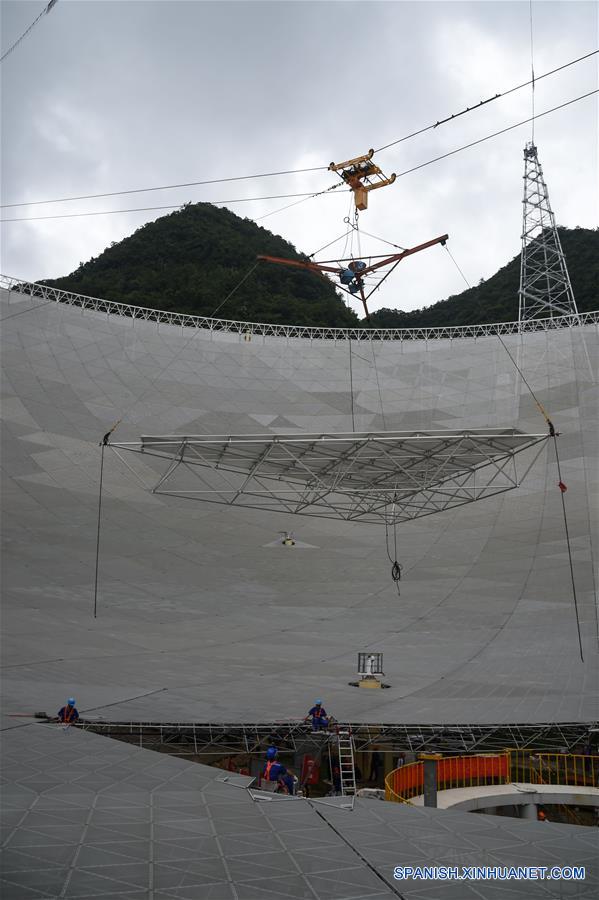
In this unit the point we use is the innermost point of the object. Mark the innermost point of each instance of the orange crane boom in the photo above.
(334, 266)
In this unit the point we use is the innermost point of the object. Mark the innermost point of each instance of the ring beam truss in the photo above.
(248, 330)
(373, 477)
(203, 738)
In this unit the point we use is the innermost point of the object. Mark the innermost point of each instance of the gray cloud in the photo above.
(105, 96)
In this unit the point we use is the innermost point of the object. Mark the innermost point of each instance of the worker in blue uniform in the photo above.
(275, 771)
(318, 714)
(68, 714)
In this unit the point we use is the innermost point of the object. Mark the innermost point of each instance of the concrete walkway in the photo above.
(513, 794)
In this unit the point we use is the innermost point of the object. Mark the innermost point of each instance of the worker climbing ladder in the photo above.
(346, 762)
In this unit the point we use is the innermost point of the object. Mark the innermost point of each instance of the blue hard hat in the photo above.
(71, 701)
(271, 752)
(318, 703)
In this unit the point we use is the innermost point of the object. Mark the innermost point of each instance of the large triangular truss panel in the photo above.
(545, 289)
(371, 477)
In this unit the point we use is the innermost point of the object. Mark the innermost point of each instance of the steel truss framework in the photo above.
(214, 739)
(248, 330)
(358, 286)
(544, 281)
(373, 477)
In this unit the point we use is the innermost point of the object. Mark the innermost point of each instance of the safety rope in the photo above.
(351, 386)
(540, 406)
(396, 567)
(553, 434)
(563, 489)
(103, 445)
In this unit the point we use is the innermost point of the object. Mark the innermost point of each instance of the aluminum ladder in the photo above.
(345, 746)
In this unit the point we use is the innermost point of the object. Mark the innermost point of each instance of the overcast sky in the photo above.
(108, 96)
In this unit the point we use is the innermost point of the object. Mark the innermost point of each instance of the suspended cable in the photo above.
(283, 208)
(383, 241)
(330, 244)
(540, 406)
(496, 133)
(456, 265)
(347, 221)
(297, 202)
(357, 230)
(44, 11)
(168, 187)
(173, 186)
(327, 190)
(469, 109)
(532, 72)
(105, 439)
(230, 294)
(110, 212)
(562, 487)
(562, 490)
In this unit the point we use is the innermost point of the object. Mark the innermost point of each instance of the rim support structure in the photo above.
(545, 288)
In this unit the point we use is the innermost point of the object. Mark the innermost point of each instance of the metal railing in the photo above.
(511, 766)
(246, 330)
(574, 769)
(402, 784)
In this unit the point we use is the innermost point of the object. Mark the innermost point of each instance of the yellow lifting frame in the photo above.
(354, 171)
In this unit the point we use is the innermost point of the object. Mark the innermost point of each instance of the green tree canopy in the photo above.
(191, 261)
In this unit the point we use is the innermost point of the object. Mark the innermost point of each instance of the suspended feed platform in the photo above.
(373, 477)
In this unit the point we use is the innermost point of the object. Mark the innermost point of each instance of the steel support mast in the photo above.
(545, 288)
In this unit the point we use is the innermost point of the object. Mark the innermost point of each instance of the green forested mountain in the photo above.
(496, 300)
(191, 260)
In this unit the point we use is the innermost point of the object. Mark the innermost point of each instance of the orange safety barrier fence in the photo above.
(453, 771)
(511, 766)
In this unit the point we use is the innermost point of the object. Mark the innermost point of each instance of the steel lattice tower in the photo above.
(545, 288)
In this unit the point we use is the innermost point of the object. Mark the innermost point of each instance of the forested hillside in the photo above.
(496, 300)
(192, 259)
(202, 259)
